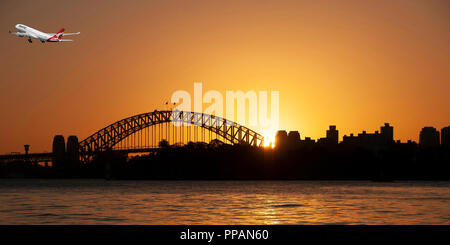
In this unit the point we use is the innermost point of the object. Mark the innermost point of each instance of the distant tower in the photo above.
(73, 148)
(387, 134)
(332, 135)
(429, 137)
(281, 138)
(59, 150)
(445, 137)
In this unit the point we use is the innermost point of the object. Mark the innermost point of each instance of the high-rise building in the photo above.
(429, 137)
(332, 135)
(281, 138)
(445, 137)
(387, 134)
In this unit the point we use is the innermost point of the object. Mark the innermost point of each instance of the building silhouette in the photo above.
(308, 141)
(387, 134)
(380, 138)
(351, 139)
(293, 139)
(368, 139)
(429, 137)
(281, 138)
(332, 135)
(445, 137)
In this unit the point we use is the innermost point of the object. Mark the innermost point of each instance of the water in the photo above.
(222, 202)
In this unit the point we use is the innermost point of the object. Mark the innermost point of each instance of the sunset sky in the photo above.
(355, 64)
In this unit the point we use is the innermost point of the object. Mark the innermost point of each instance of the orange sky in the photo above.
(356, 64)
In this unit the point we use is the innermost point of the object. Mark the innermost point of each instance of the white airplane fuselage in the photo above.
(29, 32)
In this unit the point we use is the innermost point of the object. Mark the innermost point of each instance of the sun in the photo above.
(269, 137)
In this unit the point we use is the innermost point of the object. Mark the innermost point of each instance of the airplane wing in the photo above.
(68, 34)
(65, 40)
(65, 34)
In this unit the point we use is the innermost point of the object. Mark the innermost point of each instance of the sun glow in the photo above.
(269, 137)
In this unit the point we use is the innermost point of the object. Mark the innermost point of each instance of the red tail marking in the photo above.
(57, 35)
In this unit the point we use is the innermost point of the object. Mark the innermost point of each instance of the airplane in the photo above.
(26, 31)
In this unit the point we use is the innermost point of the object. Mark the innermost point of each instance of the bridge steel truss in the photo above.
(106, 138)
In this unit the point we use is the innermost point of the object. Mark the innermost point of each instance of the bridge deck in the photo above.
(47, 156)
(31, 156)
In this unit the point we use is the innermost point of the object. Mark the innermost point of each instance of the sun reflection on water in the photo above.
(223, 202)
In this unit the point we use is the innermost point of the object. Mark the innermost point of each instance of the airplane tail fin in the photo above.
(60, 33)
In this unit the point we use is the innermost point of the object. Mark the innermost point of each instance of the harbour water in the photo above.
(34, 201)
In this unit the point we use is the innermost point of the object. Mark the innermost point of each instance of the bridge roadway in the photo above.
(39, 157)
(47, 156)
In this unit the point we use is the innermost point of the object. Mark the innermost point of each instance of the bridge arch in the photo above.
(107, 137)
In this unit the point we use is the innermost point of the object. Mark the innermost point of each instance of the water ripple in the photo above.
(223, 202)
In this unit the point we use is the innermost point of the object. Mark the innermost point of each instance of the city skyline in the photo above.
(352, 64)
(428, 136)
(136, 146)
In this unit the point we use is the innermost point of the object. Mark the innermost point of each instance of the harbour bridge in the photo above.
(145, 132)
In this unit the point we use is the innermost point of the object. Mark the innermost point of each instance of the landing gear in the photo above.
(43, 41)
(29, 40)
